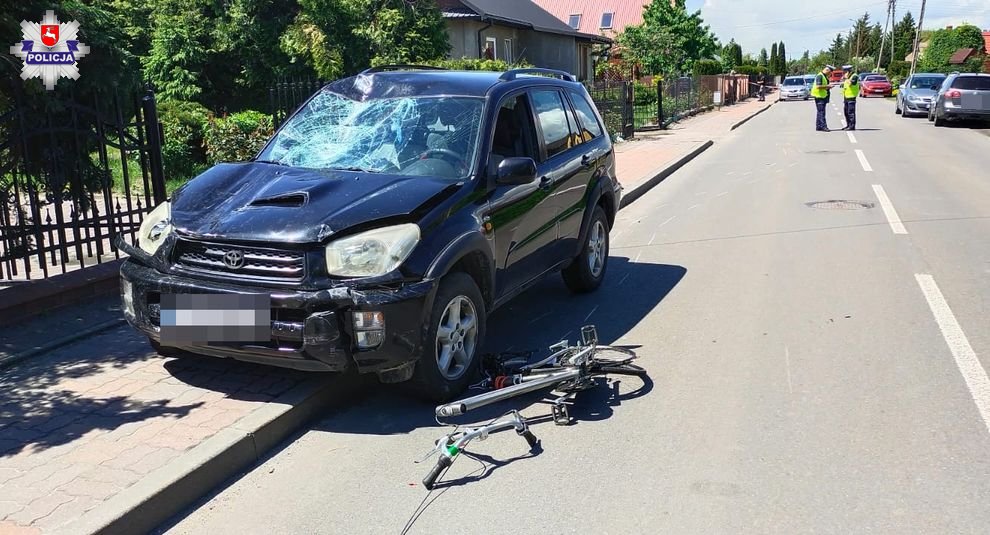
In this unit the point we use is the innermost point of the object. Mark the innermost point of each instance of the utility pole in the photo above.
(893, 18)
(883, 36)
(917, 37)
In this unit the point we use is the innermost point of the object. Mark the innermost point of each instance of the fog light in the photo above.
(127, 297)
(369, 329)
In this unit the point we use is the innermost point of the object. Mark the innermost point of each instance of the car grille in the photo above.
(257, 263)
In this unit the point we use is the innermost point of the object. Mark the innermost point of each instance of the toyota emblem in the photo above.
(234, 259)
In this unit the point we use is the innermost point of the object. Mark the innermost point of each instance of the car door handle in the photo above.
(586, 160)
(545, 183)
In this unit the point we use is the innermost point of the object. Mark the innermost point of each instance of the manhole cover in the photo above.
(840, 205)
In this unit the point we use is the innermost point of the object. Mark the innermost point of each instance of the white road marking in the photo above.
(586, 318)
(771, 164)
(700, 194)
(637, 256)
(668, 220)
(863, 162)
(694, 206)
(889, 211)
(725, 192)
(852, 138)
(623, 279)
(793, 164)
(966, 360)
(747, 173)
(653, 237)
(730, 173)
(787, 361)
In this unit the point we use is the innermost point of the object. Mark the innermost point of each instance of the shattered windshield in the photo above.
(415, 136)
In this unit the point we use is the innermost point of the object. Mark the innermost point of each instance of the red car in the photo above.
(874, 85)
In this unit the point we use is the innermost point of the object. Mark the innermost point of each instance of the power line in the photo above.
(810, 17)
(917, 36)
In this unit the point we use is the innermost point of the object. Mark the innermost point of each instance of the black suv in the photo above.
(381, 224)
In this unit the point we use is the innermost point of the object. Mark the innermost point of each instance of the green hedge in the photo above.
(183, 153)
(706, 67)
(237, 137)
(644, 94)
(474, 64)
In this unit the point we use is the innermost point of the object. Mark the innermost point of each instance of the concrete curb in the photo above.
(32, 298)
(742, 122)
(66, 340)
(662, 173)
(162, 494)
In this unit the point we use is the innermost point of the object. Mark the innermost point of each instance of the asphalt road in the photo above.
(812, 370)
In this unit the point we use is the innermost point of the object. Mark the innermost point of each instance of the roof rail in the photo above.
(386, 68)
(512, 74)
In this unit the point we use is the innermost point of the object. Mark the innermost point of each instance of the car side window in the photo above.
(588, 121)
(554, 122)
(515, 133)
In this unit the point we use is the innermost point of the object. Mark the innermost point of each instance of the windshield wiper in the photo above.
(273, 162)
(355, 169)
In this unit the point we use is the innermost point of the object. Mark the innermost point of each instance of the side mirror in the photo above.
(515, 171)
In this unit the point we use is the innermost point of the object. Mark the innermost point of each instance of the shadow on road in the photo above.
(540, 317)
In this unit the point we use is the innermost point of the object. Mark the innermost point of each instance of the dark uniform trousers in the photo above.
(850, 109)
(821, 104)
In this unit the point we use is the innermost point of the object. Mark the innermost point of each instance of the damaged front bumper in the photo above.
(311, 330)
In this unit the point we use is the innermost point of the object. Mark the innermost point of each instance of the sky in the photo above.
(813, 24)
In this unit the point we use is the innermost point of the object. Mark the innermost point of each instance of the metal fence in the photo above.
(287, 95)
(75, 173)
(614, 101)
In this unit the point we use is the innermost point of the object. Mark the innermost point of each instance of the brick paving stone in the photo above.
(66, 513)
(118, 477)
(225, 419)
(129, 457)
(173, 441)
(40, 508)
(281, 386)
(63, 475)
(155, 460)
(81, 486)
(22, 494)
(202, 415)
(8, 473)
(10, 528)
(8, 508)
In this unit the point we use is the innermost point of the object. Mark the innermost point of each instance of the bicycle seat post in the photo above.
(589, 335)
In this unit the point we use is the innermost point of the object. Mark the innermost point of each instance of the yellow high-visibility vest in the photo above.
(820, 89)
(850, 89)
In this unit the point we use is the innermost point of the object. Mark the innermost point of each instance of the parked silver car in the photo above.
(916, 94)
(962, 96)
(794, 88)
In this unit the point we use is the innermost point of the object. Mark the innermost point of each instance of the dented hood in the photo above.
(263, 202)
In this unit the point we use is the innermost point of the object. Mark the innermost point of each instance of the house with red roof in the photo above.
(603, 17)
(986, 47)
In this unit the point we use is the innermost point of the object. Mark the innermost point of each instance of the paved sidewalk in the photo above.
(89, 420)
(644, 157)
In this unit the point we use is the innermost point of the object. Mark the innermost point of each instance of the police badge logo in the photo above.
(50, 50)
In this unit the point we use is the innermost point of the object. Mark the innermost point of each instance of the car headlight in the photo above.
(372, 253)
(157, 225)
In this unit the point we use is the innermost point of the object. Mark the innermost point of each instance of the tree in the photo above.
(837, 52)
(773, 57)
(800, 66)
(180, 44)
(404, 32)
(904, 36)
(732, 55)
(781, 60)
(944, 43)
(858, 41)
(670, 39)
(763, 60)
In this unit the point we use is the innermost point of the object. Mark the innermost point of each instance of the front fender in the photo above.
(602, 187)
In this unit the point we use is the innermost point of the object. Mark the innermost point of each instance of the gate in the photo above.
(287, 95)
(76, 172)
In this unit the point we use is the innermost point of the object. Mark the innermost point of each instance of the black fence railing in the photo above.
(75, 173)
(287, 95)
(614, 101)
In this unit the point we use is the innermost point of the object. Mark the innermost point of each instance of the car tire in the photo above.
(587, 271)
(897, 109)
(433, 380)
(939, 121)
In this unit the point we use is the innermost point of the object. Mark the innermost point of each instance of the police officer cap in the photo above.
(829, 67)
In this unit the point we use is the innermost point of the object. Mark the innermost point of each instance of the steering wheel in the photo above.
(446, 154)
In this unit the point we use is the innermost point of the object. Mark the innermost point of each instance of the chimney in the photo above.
(948, 27)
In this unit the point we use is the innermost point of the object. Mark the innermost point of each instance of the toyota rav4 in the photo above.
(380, 226)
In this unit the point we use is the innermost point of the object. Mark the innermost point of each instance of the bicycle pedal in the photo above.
(561, 416)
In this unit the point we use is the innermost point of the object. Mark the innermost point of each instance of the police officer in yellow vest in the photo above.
(820, 91)
(850, 90)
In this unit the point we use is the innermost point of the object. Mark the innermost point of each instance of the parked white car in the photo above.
(794, 88)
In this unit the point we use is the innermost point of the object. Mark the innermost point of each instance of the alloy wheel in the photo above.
(597, 241)
(457, 337)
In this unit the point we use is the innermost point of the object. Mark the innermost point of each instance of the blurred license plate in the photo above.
(878, 90)
(205, 318)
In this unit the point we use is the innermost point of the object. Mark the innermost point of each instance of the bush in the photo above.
(706, 67)
(644, 94)
(899, 68)
(237, 137)
(475, 64)
(183, 122)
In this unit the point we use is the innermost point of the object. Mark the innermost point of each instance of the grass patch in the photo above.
(135, 177)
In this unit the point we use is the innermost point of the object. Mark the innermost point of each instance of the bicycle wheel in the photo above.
(612, 356)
